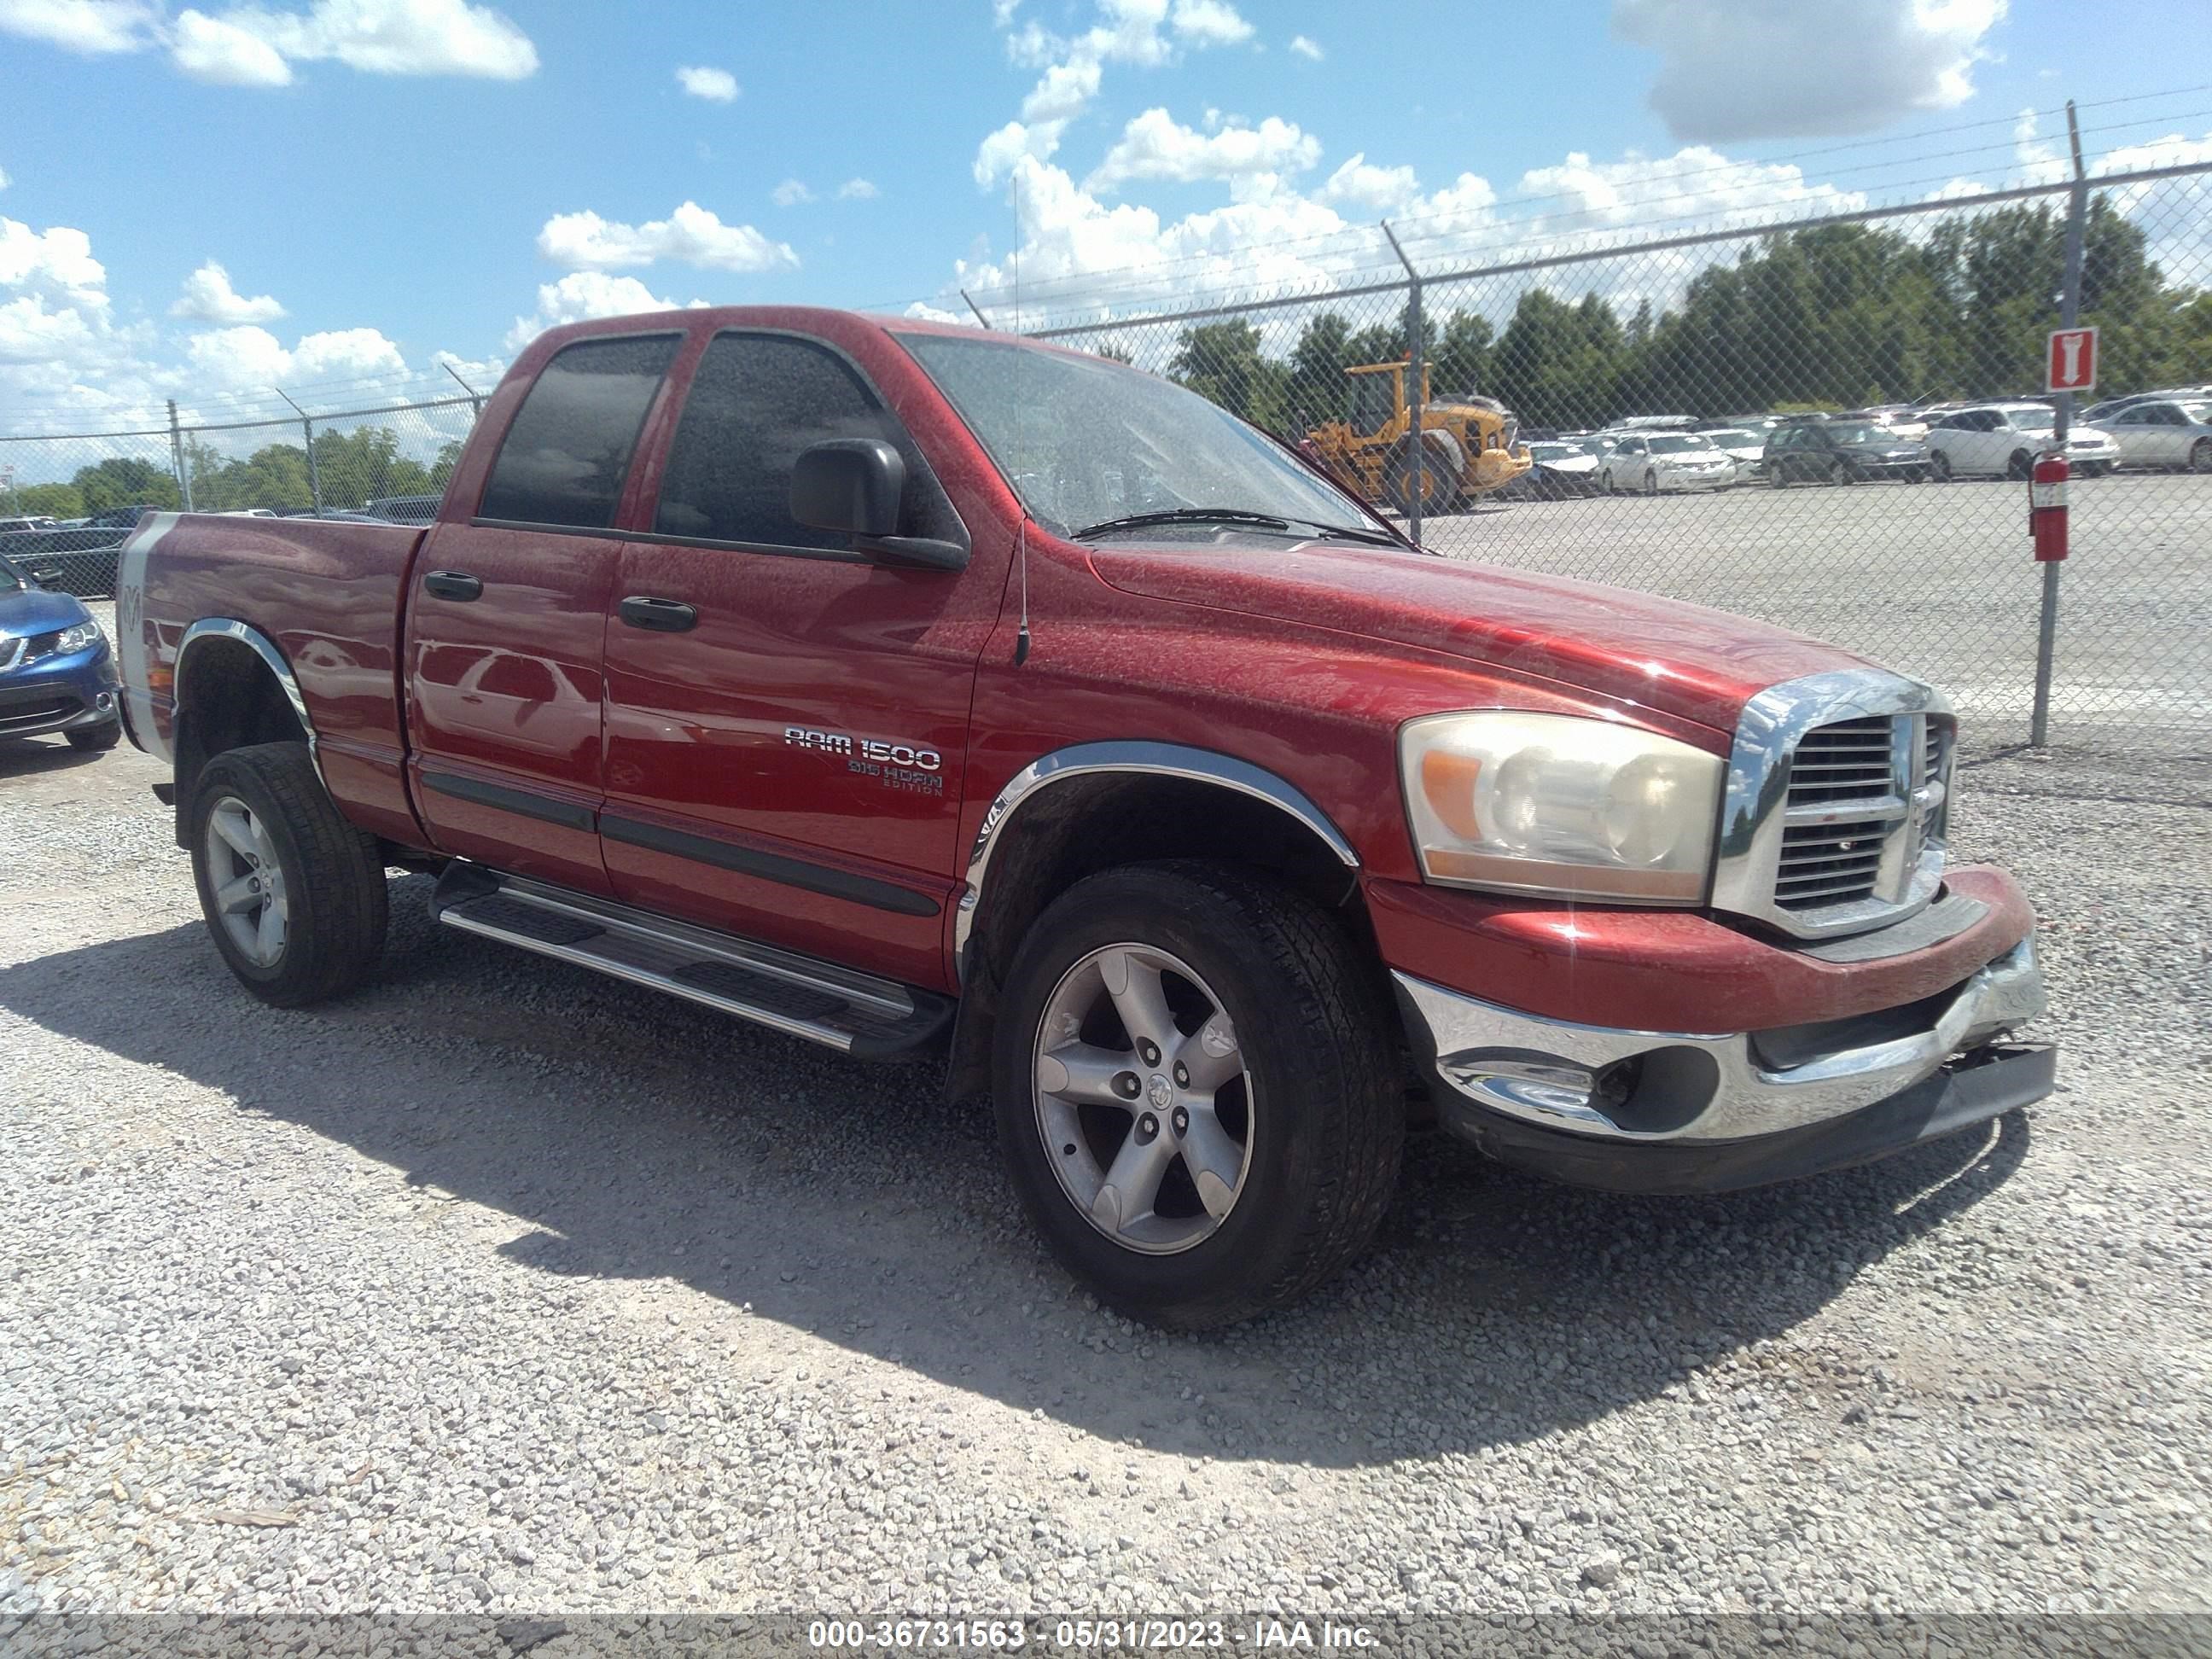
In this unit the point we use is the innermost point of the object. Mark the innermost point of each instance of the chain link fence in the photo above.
(1826, 425)
(1822, 424)
(389, 463)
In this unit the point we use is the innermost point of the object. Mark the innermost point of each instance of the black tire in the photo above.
(1839, 472)
(106, 735)
(1651, 482)
(1778, 476)
(1440, 488)
(1939, 467)
(1327, 1125)
(2200, 455)
(332, 874)
(2021, 464)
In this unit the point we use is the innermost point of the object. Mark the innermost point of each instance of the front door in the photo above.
(506, 623)
(787, 721)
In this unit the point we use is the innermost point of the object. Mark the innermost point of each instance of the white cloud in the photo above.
(790, 193)
(1064, 91)
(398, 37)
(857, 190)
(691, 236)
(1209, 22)
(1303, 46)
(1154, 145)
(85, 26)
(1731, 71)
(58, 262)
(717, 85)
(255, 45)
(3, 178)
(210, 49)
(1378, 188)
(582, 294)
(209, 298)
(248, 358)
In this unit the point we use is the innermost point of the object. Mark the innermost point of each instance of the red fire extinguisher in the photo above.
(2046, 508)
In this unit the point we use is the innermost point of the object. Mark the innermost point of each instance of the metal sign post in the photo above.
(2070, 308)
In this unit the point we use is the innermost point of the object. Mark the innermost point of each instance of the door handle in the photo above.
(453, 585)
(660, 616)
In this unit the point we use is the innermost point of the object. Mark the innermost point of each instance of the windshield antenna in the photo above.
(1022, 534)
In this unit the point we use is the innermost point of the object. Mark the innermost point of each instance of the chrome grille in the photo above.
(1833, 817)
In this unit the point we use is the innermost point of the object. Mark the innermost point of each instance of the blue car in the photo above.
(57, 673)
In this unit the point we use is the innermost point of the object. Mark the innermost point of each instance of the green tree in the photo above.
(1318, 391)
(121, 482)
(57, 501)
(1459, 353)
(449, 456)
(1222, 362)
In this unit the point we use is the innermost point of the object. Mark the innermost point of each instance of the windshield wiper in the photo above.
(1185, 515)
(1353, 533)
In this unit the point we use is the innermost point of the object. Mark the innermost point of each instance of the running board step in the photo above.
(854, 1014)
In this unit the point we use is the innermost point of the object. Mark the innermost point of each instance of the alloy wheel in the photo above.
(1143, 1098)
(247, 881)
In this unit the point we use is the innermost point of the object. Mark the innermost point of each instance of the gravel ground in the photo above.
(501, 1288)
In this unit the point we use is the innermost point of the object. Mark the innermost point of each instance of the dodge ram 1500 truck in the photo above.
(901, 688)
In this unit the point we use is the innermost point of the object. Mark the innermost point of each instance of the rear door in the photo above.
(787, 720)
(507, 622)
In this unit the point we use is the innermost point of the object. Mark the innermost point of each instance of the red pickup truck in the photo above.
(904, 688)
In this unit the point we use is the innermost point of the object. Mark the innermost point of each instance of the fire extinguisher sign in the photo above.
(2073, 363)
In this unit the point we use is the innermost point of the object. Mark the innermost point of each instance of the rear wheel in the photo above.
(1939, 467)
(1651, 481)
(1196, 1092)
(2019, 465)
(1437, 486)
(293, 894)
(2200, 456)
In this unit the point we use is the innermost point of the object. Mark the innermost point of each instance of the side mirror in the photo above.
(855, 485)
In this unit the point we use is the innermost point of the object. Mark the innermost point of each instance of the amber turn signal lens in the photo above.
(1448, 781)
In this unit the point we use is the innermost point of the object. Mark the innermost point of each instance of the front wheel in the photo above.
(2021, 465)
(1651, 482)
(1196, 1091)
(1939, 467)
(293, 894)
(106, 735)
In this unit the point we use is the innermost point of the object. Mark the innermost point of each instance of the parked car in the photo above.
(403, 509)
(57, 673)
(1842, 452)
(80, 561)
(1560, 471)
(1659, 461)
(1742, 444)
(870, 696)
(2003, 440)
(2166, 433)
(38, 521)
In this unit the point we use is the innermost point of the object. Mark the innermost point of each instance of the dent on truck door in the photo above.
(507, 624)
(786, 763)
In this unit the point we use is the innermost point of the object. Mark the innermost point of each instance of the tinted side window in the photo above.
(566, 455)
(757, 401)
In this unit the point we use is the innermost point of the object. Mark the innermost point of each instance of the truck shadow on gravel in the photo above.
(613, 1134)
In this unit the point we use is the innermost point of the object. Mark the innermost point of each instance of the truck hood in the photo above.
(1635, 649)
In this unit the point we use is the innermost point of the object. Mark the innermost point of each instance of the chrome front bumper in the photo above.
(1489, 1062)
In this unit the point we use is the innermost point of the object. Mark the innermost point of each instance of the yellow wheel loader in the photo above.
(1469, 443)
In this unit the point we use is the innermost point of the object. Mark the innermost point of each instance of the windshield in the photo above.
(2197, 414)
(2035, 418)
(1082, 440)
(1732, 440)
(1857, 432)
(1555, 452)
(1677, 443)
(12, 577)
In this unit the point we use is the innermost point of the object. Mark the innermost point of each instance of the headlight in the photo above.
(82, 637)
(1556, 805)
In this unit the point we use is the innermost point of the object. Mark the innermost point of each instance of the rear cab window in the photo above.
(567, 452)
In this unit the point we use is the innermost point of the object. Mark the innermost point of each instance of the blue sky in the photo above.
(403, 178)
